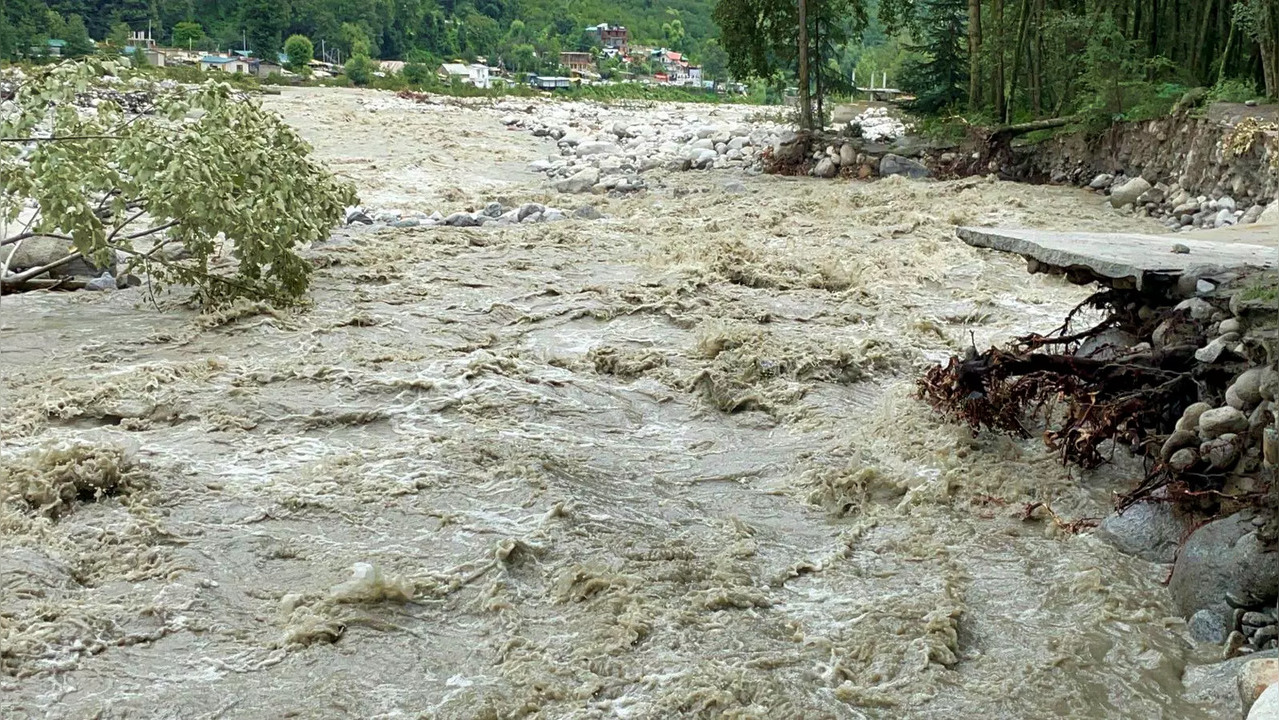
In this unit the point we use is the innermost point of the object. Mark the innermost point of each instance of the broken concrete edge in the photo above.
(1119, 259)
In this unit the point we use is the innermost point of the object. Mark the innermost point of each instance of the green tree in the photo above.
(299, 51)
(940, 78)
(354, 40)
(264, 22)
(77, 37)
(673, 34)
(418, 74)
(359, 69)
(714, 61)
(188, 34)
(230, 175)
(119, 35)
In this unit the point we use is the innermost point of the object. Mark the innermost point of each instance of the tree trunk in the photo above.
(1225, 54)
(1269, 42)
(805, 101)
(817, 74)
(1023, 27)
(998, 79)
(974, 55)
(1037, 63)
(1196, 61)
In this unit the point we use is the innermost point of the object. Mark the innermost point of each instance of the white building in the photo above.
(473, 74)
(231, 64)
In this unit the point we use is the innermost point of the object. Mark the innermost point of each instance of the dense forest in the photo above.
(426, 30)
(1010, 60)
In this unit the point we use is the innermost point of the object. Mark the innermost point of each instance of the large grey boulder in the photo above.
(580, 182)
(892, 164)
(595, 147)
(42, 250)
(1151, 531)
(826, 169)
(1128, 193)
(1224, 562)
(1270, 215)
(791, 147)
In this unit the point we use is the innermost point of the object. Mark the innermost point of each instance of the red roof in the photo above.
(673, 55)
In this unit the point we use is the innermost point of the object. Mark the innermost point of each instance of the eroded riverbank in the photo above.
(661, 464)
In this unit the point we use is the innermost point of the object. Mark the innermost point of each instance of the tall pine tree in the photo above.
(941, 78)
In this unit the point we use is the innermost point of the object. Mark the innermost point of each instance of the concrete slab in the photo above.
(1142, 259)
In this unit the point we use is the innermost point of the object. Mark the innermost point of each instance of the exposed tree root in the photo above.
(1089, 403)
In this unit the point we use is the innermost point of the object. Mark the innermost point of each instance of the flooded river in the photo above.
(664, 464)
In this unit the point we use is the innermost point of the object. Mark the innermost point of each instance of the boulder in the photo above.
(1155, 195)
(790, 147)
(357, 215)
(1178, 440)
(892, 164)
(1223, 452)
(528, 209)
(1207, 626)
(1252, 215)
(1247, 387)
(847, 155)
(42, 250)
(1267, 706)
(493, 209)
(1183, 460)
(1106, 345)
(1102, 181)
(1190, 417)
(1270, 215)
(1128, 193)
(1220, 421)
(587, 212)
(1223, 218)
(1225, 558)
(553, 215)
(580, 182)
(461, 219)
(826, 169)
(1149, 530)
(596, 147)
(105, 281)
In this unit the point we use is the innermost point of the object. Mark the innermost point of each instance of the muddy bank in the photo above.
(666, 463)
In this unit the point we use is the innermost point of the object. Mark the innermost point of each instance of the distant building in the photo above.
(577, 61)
(155, 57)
(610, 36)
(232, 64)
(674, 65)
(393, 67)
(141, 38)
(542, 82)
(52, 48)
(473, 74)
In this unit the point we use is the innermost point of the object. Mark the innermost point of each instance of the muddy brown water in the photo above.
(666, 464)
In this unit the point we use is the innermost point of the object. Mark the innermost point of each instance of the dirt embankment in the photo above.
(1183, 150)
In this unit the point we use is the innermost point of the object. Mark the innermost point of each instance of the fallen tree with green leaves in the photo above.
(199, 168)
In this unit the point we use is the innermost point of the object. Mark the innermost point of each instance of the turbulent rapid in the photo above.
(668, 463)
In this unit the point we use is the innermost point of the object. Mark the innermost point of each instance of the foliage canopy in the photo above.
(203, 168)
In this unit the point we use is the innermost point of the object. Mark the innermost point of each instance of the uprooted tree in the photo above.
(1124, 382)
(201, 167)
